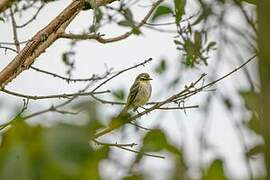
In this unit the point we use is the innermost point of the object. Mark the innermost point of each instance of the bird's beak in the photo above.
(149, 79)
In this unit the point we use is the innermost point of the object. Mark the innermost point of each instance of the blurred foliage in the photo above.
(128, 21)
(60, 152)
(2, 19)
(251, 100)
(156, 141)
(69, 61)
(259, 149)
(254, 2)
(179, 10)
(98, 15)
(194, 45)
(215, 171)
(134, 177)
(161, 11)
(161, 67)
(119, 94)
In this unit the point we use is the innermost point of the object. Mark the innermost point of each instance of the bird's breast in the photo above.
(144, 94)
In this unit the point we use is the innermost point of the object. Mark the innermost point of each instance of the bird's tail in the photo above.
(124, 111)
(120, 118)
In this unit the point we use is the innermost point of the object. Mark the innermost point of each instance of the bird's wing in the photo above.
(133, 93)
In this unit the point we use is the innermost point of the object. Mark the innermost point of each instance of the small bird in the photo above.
(139, 93)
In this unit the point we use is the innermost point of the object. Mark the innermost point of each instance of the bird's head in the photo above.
(144, 77)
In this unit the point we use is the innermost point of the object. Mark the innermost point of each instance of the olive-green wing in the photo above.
(132, 93)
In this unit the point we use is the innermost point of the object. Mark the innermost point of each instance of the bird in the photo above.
(139, 93)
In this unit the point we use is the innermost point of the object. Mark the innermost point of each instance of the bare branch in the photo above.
(32, 18)
(139, 126)
(114, 144)
(54, 108)
(99, 37)
(65, 95)
(41, 41)
(94, 77)
(124, 147)
(15, 35)
(141, 153)
(8, 48)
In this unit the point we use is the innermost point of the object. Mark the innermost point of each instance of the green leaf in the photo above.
(179, 8)
(128, 15)
(136, 30)
(161, 11)
(98, 15)
(119, 94)
(197, 38)
(254, 125)
(211, 45)
(215, 171)
(251, 100)
(228, 103)
(155, 140)
(2, 19)
(134, 177)
(161, 68)
(86, 6)
(125, 23)
(250, 1)
(255, 150)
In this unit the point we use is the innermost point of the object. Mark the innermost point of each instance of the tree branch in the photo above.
(65, 95)
(41, 41)
(5, 4)
(99, 38)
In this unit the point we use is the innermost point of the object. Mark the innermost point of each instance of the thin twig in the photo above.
(15, 35)
(141, 153)
(54, 108)
(8, 48)
(12, 43)
(32, 18)
(124, 147)
(92, 78)
(114, 144)
(65, 95)
(99, 38)
(139, 126)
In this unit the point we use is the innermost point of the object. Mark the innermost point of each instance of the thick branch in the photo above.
(41, 41)
(38, 44)
(4, 4)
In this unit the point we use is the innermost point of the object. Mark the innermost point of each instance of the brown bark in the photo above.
(41, 41)
(5, 4)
